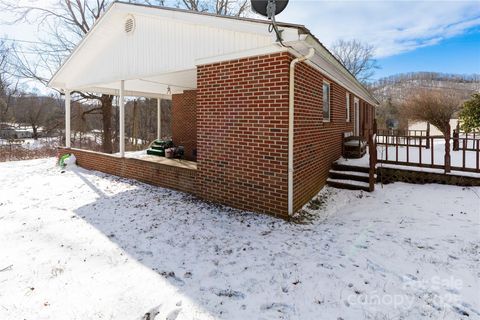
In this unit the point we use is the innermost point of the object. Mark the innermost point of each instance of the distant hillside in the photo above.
(392, 91)
(396, 87)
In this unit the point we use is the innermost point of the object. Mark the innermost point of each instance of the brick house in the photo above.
(245, 107)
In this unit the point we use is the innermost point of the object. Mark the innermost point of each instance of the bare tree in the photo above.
(65, 23)
(224, 7)
(32, 110)
(3, 81)
(8, 84)
(357, 57)
(437, 107)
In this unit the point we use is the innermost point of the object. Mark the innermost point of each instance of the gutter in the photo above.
(291, 114)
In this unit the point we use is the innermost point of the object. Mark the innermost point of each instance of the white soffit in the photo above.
(161, 43)
(164, 84)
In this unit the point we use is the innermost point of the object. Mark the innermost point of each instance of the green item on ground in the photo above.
(61, 161)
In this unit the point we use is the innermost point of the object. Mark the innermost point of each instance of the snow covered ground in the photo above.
(414, 155)
(32, 144)
(85, 245)
(438, 154)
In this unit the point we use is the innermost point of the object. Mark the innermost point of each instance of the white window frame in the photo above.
(347, 99)
(329, 101)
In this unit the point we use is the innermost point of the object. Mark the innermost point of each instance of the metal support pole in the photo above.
(159, 119)
(67, 118)
(121, 106)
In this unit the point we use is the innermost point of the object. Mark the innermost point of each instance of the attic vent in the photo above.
(129, 24)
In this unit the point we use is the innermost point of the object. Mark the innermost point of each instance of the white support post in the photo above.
(121, 106)
(67, 118)
(159, 119)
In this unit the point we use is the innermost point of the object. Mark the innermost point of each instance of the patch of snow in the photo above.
(438, 155)
(85, 245)
(32, 144)
(135, 154)
(350, 182)
(426, 169)
(439, 149)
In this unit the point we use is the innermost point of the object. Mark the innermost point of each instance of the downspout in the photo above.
(291, 114)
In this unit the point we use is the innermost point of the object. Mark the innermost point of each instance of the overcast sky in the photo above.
(408, 36)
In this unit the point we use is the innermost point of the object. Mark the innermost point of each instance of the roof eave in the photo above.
(50, 83)
(328, 54)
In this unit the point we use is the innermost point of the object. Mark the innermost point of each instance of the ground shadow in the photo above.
(214, 255)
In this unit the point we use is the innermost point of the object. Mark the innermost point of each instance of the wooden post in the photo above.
(408, 154)
(372, 161)
(447, 150)
(456, 141)
(396, 152)
(420, 153)
(386, 150)
(428, 136)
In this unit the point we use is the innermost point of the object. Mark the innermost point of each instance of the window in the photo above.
(348, 107)
(326, 102)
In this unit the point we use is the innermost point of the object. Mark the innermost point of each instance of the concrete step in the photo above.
(348, 184)
(349, 175)
(344, 167)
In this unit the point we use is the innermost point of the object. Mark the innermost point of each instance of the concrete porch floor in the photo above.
(180, 163)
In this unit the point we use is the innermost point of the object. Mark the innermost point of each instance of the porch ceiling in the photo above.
(156, 86)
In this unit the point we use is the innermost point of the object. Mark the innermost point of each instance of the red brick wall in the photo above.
(184, 121)
(239, 117)
(181, 179)
(242, 121)
(366, 119)
(316, 144)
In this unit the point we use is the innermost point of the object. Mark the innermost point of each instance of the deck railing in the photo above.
(465, 140)
(404, 137)
(372, 152)
(410, 151)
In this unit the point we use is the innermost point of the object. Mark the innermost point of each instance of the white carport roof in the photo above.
(160, 55)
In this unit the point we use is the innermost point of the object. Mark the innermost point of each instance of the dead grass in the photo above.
(14, 152)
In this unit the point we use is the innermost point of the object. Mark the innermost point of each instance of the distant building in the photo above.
(23, 134)
(422, 125)
(7, 132)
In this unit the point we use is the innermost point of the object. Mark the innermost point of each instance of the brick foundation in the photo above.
(181, 179)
